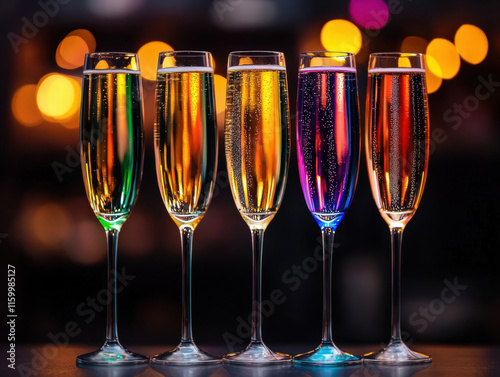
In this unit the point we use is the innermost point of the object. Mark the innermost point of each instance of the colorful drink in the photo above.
(328, 140)
(397, 140)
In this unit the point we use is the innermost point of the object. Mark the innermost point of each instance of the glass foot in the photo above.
(396, 353)
(186, 353)
(256, 353)
(326, 354)
(112, 353)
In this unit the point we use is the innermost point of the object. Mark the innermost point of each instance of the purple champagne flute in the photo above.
(328, 147)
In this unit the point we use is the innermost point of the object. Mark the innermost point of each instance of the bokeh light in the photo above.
(113, 8)
(58, 96)
(148, 58)
(341, 35)
(220, 98)
(51, 224)
(471, 43)
(369, 14)
(24, 106)
(70, 53)
(414, 44)
(87, 36)
(445, 61)
(433, 81)
(87, 243)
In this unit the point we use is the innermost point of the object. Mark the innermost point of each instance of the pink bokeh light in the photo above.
(369, 14)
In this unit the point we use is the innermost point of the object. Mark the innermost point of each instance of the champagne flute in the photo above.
(397, 154)
(112, 153)
(328, 147)
(257, 144)
(186, 162)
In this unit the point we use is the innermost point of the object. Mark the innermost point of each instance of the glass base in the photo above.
(256, 353)
(396, 353)
(186, 353)
(112, 353)
(327, 353)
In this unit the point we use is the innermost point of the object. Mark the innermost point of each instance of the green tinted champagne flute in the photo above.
(112, 151)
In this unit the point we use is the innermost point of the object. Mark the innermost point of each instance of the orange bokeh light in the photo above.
(148, 58)
(445, 61)
(51, 225)
(414, 44)
(24, 106)
(433, 81)
(471, 43)
(70, 53)
(220, 98)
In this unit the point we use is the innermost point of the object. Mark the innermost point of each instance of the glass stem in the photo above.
(111, 325)
(257, 247)
(187, 251)
(327, 235)
(396, 242)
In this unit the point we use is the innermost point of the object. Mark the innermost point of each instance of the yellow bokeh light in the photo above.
(58, 96)
(433, 81)
(446, 61)
(71, 52)
(414, 44)
(471, 43)
(24, 106)
(148, 58)
(341, 35)
(220, 98)
(404, 63)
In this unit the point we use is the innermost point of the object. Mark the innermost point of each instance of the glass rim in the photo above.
(396, 54)
(187, 52)
(110, 53)
(327, 53)
(256, 53)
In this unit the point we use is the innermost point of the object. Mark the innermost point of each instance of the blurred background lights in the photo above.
(220, 98)
(433, 81)
(471, 43)
(58, 96)
(445, 61)
(24, 106)
(369, 14)
(86, 243)
(341, 35)
(148, 58)
(414, 44)
(113, 8)
(51, 224)
(71, 51)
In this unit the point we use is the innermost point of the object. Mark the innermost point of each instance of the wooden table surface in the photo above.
(452, 361)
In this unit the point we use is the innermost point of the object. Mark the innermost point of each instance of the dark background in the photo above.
(59, 253)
